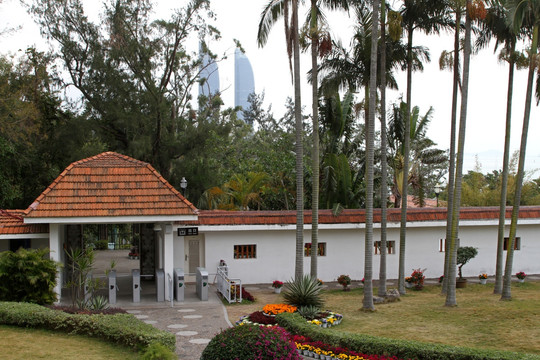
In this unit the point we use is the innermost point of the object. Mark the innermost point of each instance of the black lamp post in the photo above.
(183, 186)
(437, 192)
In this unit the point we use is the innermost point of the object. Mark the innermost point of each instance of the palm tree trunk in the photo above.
(451, 287)
(406, 150)
(367, 304)
(384, 171)
(299, 264)
(452, 162)
(504, 185)
(315, 154)
(506, 291)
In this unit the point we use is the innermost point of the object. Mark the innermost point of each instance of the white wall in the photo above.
(345, 252)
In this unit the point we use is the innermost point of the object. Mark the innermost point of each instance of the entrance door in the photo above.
(194, 255)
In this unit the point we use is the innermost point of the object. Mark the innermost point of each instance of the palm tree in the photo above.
(384, 188)
(496, 25)
(457, 7)
(452, 255)
(314, 34)
(428, 16)
(426, 163)
(519, 12)
(367, 303)
(271, 13)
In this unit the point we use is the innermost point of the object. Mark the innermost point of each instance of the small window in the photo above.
(517, 243)
(442, 245)
(390, 245)
(245, 251)
(321, 249)
(16, 244)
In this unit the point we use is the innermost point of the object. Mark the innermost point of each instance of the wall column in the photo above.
(168, 256)
(56, 254)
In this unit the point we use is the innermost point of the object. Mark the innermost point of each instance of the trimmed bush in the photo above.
(156, 351)
(27, 275)
(122, 329)
(404, 349)
(249, 342)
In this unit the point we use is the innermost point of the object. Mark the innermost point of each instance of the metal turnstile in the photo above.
(202, 284)
(179, 284)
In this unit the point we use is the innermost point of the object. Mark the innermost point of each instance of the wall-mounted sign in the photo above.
(190, 231)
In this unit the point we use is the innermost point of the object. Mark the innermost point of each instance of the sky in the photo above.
(239, 19)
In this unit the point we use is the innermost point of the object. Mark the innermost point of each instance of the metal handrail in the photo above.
(228, 287)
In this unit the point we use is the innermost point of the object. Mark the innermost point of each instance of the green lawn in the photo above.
(20, 343)
(480, 320)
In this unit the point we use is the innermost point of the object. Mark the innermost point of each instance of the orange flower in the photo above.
(274, 309)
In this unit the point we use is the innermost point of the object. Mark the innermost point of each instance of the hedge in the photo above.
(403, 349)
(122, 329)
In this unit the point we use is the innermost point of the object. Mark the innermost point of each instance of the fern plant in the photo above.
(305, 291)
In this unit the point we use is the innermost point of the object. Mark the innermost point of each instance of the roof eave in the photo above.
(109, 219)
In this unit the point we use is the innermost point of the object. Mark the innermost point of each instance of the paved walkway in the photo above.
(194, 322)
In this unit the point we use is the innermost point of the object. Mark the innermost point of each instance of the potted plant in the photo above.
(521, 276)
(464, 255)
(483, 278)
(417, 279)
(441, 279)
(345, 281)
(277, 285)
(409, 282)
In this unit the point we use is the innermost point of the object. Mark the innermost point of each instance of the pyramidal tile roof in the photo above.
(11, 223)
(109, 184)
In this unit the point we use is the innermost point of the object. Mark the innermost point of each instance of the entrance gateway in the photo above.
(111, 188)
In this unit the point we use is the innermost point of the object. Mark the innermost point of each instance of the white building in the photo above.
(258, 246)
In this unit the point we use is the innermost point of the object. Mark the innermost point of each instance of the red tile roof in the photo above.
(109, 184)
(219, 217)
(11, 223)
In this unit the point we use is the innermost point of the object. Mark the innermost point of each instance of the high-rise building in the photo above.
(244, 83)
(209, 84)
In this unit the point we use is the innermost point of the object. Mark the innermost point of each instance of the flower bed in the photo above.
(320, 350)
(257, 318)
(330, 319)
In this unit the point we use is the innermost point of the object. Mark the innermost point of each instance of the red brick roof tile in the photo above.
(109, 184)
(352, 216)
(11, 223)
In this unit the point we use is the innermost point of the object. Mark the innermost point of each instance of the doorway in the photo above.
(193, 255)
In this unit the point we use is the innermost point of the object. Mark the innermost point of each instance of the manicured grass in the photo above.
(480, 320)
(20, 343)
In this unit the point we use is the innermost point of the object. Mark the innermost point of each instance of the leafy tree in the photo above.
(134, 75)
(38, 137)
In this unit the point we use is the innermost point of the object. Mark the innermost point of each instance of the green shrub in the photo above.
(28, 276)
(101, 245)
(304, 291)
(402, 349)
(158, 351)
(249, 342)
(123, 329)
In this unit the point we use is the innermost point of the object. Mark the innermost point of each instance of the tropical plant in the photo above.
(303, 292)
(464, 255)
(427, 164)
(308, 312)
(27, 276)
(518, 12)
(80, 264)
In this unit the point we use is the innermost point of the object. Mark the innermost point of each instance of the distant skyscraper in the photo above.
(243, 81)
(210, 74)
